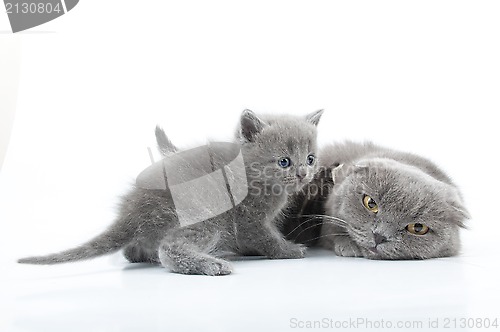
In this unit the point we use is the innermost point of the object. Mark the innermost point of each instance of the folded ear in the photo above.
(338, 174)
(251, 125)
(462, 215)
(458, 210)
(342, 171)
(314, 117)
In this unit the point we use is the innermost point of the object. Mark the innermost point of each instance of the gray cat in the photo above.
(373, 202)
(279, 159)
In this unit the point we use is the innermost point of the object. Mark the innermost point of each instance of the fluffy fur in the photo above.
(148, 230)
(407, 189)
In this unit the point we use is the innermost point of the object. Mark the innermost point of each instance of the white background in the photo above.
(420, 76)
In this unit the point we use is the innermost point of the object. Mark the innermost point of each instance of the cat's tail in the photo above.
(113, 239)
(165, 146)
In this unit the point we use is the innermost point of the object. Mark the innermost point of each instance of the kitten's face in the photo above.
(283, 152)
(396, 211)
(287, 153)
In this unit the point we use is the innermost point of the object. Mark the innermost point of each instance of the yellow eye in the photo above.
(417, 229)
(370, 204)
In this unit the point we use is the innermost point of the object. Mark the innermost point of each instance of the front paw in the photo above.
(290, 251)
(209, 266)
(214, 267)
(347, 249)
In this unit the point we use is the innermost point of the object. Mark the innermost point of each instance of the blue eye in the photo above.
(310, 159)
(284, 162)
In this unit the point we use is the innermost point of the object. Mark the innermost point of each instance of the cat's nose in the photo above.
(301, 172)
(379, 238)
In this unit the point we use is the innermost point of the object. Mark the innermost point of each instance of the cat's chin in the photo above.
(375, 253)
(379, 254)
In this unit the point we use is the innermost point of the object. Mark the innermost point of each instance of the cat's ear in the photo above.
(251, 125)
(461, 216)
(165, 146)
(342, 171)
(458, 210)
(314, 117)
(338, 173)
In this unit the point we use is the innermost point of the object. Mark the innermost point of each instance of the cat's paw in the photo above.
(290, 251)
(209, 266)
(212, 267)
(347, 249)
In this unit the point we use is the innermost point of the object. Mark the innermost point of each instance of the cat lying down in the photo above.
(373, 202)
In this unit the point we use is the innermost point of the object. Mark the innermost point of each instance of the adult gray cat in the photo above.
(378, 203)
(279, 158)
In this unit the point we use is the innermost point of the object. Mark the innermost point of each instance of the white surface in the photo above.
(110, 295)
(417, 76)
(9, 69)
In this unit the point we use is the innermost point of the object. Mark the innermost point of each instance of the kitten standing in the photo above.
(279, 155)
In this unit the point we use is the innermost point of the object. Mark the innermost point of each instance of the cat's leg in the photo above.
(134, 253)
(346, 247)
(192, 250)
(342, 246)
(337, 239)
(267, 240)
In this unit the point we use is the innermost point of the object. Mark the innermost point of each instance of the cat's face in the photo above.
(396, 211)
(282, 151)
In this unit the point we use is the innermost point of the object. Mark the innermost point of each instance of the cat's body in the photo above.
(373, 202)
(148, 227)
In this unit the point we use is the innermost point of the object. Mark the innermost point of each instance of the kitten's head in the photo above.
(396, 211)
(280, 150)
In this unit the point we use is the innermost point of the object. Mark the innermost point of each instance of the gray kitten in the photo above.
(278, 152)
(379, 204)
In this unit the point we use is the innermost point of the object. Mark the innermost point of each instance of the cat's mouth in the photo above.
(302, 182)
(378, 251)
(373, 249)
(295, 185)
(294, 181)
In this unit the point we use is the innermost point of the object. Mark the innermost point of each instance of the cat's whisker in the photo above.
(325, 235)
(324, 216)
(300, 225)
(329, 219)
(334, 223)
(356, 231)
(307, 228)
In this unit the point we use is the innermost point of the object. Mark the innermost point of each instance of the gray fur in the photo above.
(407, 188)
(148, 230)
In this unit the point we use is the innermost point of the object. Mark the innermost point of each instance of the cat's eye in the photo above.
(370, 204)
(284, 162)
(310, 159)
(417, 229)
